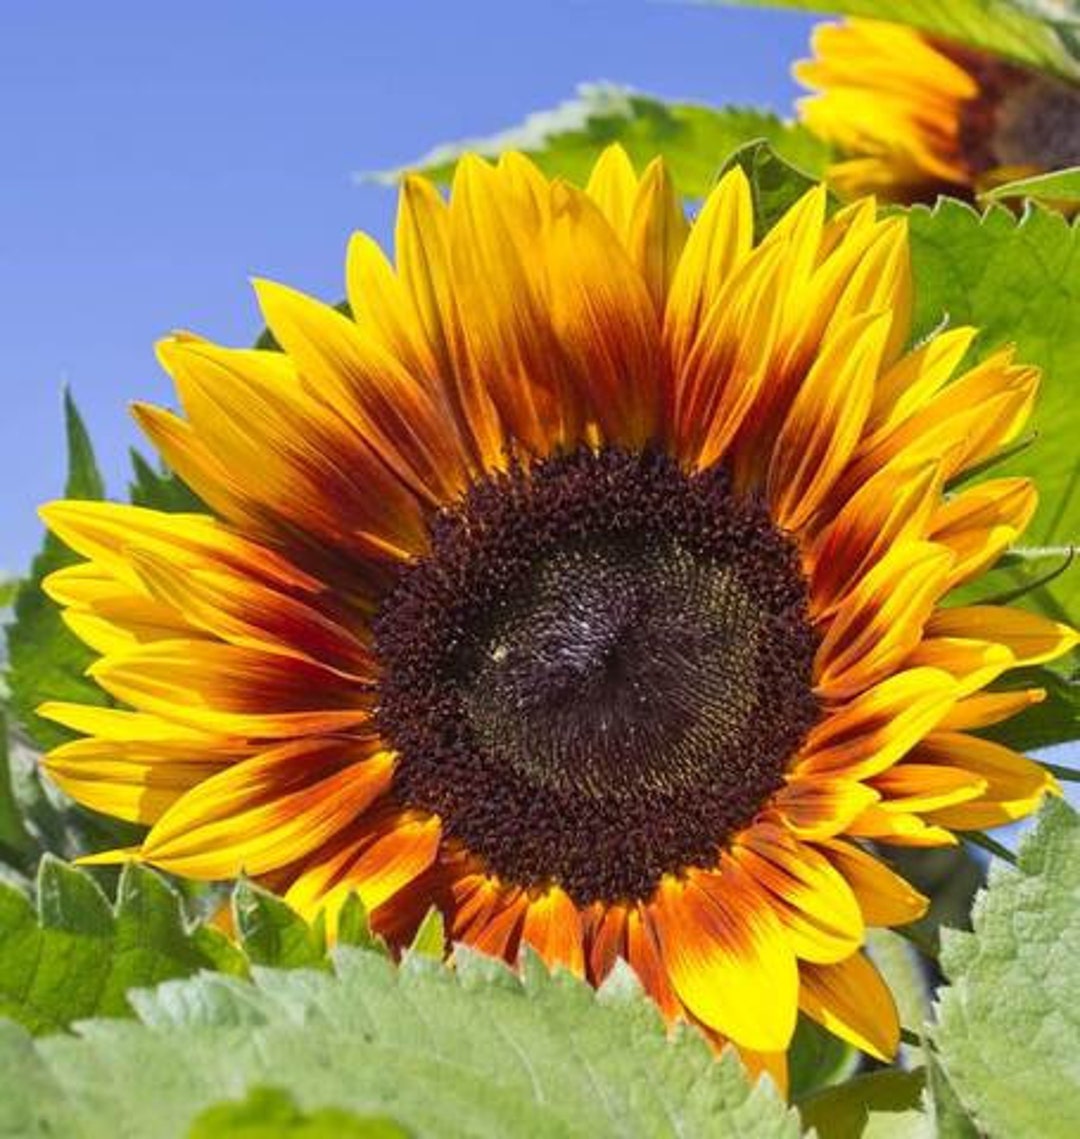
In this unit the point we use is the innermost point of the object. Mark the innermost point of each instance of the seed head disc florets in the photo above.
(599, 672)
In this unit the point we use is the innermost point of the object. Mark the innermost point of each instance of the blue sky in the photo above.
(157, 155)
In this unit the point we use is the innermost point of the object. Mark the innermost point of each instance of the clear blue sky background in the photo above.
(153, 156)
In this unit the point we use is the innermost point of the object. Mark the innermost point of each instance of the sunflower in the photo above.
(915, 116)
(585, 583)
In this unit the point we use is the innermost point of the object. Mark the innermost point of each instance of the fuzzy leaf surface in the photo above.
(1008, 1026)
(474, 1051)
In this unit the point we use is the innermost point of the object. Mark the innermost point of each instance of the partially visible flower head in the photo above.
(586, 582)
(914, 116)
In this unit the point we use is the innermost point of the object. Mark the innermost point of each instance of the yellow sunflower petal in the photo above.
(890, 509)
(613, 186)
(874, 730)
(885, 898)
(1031, 638)
(728, 957)
(851, 1000)
(606, 322)
(882, 618)
(813, 902)
(979, 524)
(918, 787)
(422, 240)
(986, 708)
(819, 807)
(268, 811)
(131, 780)
(232, 690)
(1014, 784)
(658, 230)
(719, 241)
(823, 426)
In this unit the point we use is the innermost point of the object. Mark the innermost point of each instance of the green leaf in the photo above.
(14, 836)
(159, 489)
(474, 1051)
(1018, 281)
(9, 586)
(817, 1059)
(950, 1120)
(46, 660)
(1060, 186)
(1030, 32)
(1008, 1022)
(430, 939)
(1056, 720)
(272, 932)
(269, 1113)
(694, 139)
(775, 185)
(846, 1111)
(77, 956)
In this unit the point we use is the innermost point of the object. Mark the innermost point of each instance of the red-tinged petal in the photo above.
(643, 956)
(916, 787)
(817, 807)
(268, 811)
(374, 861)
(882, 619)
(814, 902)
(553, 928)
(879, 726)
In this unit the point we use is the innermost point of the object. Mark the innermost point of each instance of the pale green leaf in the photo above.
(1036, 33)
(269, 1113)
(694, 139)
(1008, 1031)
(1060, 186)
(949, 1119)
(77, 956)
(473, 1052)
(430, 938)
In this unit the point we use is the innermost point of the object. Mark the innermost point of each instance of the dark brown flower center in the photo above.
(1020, 118)
(598, 673)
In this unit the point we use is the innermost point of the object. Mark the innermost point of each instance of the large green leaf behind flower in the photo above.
(1008, 1031)
(1018, 281)
(474, 1051)
(694, 139)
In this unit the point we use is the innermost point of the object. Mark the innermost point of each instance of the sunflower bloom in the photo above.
(586, 583)
(915, 116)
